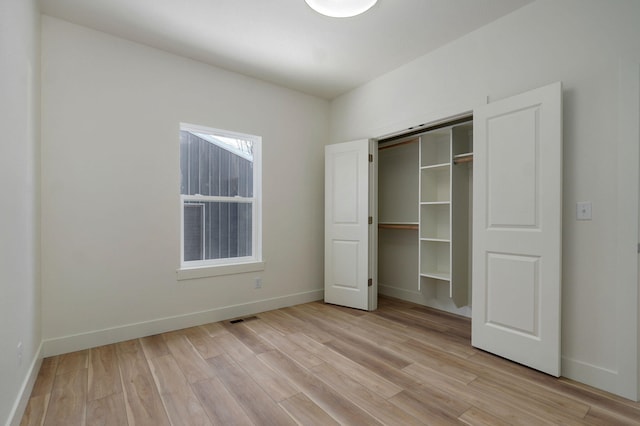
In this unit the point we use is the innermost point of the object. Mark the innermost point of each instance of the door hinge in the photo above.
(370, 283)
(371, 158)
(638, 247)
(370, 220)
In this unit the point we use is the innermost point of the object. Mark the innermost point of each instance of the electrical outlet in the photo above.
(583, 210)
(19, 353)
(258, 282)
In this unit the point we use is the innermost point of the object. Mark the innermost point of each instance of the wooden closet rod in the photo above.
(465, 159)
(397, 226)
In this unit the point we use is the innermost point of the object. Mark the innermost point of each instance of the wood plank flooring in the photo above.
(313, 364)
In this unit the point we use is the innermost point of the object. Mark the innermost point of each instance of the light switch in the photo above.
(583, 210)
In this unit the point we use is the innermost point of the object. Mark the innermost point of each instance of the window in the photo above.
(219, 196)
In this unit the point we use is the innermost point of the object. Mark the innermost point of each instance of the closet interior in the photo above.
(424, 216)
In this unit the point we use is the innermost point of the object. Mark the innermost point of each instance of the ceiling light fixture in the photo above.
(341, 8)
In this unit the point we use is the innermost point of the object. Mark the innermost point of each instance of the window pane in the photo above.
(193, 231)
(216, 166)
(225, 232)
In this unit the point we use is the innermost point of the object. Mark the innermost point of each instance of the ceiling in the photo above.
(284, 41)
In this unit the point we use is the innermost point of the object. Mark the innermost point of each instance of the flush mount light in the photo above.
(341, 8)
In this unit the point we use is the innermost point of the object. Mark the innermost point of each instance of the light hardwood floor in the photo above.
(312, 364)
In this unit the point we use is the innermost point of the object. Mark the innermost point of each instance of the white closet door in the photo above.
(517, 224)
(346, 272)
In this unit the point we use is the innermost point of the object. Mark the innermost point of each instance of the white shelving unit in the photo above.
(445, 158)
(435, 205)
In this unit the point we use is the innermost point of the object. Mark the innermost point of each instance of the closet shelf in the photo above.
(434, 203)
(436, 240)
(435, 166)
(443, 276)
(409, 226)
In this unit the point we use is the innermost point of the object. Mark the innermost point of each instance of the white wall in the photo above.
(581, 43)
(110, 197)
(19, 204)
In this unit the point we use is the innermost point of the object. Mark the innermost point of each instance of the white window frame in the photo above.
(212, 267)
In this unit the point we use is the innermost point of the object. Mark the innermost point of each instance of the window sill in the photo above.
(214, 271)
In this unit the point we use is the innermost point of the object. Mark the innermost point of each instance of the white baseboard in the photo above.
(425, 299)
(15, 416)
(400, 293)
(76, 342)
(593, 375)
(589, 374)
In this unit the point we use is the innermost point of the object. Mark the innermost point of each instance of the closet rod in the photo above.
(395, 145)
(468, 158)
(397, 226)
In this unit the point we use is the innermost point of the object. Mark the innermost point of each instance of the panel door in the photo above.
(517, 223)
(346, 272)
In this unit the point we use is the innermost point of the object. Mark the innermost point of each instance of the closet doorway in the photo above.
(516, 222)
(424, 213)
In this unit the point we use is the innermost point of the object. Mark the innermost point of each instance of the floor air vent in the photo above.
(237, 320)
